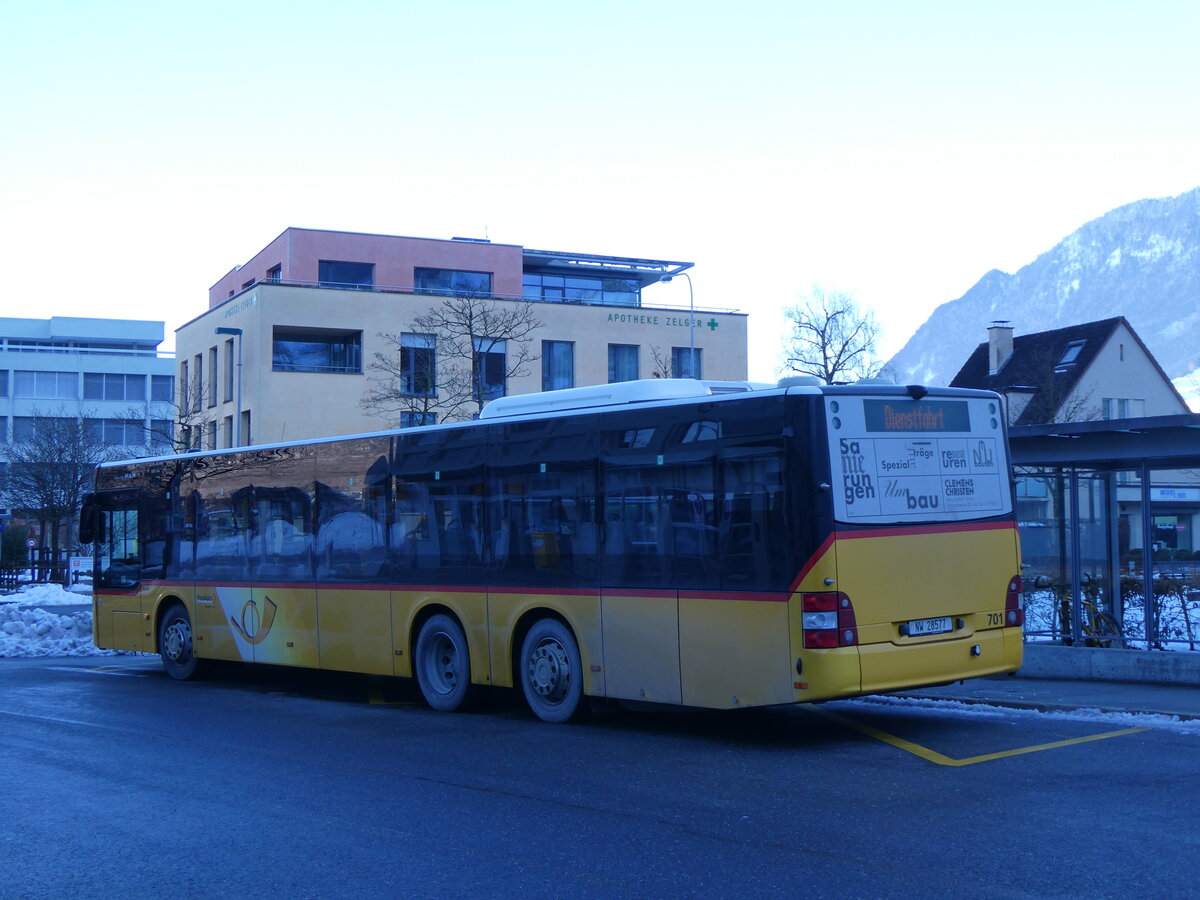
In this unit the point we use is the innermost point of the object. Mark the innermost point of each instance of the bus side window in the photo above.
(753, 520)
(119, 561)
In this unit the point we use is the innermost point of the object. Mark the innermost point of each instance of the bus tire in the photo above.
(443, 663)
(551, 672)
(175, 643)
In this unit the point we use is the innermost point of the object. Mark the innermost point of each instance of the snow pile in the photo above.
(26, 630)
(51, 595)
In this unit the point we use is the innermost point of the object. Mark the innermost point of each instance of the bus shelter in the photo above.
(1109, 514)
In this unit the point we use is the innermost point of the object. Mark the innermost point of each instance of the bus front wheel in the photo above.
(443, 663)
(551, 672)
(175, 643)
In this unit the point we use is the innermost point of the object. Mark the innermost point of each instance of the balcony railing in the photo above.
(490, 295)
(12, 346)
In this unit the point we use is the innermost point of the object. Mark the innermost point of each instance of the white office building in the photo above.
(109, 371)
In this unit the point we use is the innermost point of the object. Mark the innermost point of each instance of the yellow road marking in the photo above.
(942, 760)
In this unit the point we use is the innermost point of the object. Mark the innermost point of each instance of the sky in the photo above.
(894, 151)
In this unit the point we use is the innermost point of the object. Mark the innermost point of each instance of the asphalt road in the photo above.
(117, 782)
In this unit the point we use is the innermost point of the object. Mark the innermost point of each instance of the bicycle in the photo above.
(1099, 627)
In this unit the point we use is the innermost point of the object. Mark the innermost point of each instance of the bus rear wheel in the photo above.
(443, 663)
(551, 672)
(175, 643)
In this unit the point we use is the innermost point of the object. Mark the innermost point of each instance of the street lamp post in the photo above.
(666, 279)
(237, 413)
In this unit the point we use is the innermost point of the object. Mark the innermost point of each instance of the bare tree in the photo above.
(478, 343)
(50, 469)
(831, 338)
(173, 427)
(660, 363)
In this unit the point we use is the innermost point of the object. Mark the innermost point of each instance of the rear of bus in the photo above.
(917, 577)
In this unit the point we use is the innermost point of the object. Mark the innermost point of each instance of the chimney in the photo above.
(1000, 345)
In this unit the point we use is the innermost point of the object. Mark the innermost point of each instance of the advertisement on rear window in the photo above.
(938, 459)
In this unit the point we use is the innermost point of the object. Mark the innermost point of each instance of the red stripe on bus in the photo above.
(812, 561)
(657, 593)
(556, 592)
(948, 528)
(739, 596)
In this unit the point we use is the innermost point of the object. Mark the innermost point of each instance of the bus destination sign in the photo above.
(909, 415)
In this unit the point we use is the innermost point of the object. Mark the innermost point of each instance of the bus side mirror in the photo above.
(89, 526)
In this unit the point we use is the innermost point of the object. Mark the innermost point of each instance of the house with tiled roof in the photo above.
(1096, 370)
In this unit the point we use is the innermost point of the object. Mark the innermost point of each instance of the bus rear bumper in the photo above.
(879, 668)
(888, 667)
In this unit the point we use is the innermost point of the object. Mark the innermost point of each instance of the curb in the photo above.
(1110, 664)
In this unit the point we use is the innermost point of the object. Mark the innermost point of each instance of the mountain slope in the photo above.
(1141, 261)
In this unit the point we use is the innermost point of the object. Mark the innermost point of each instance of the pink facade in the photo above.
(297, 252)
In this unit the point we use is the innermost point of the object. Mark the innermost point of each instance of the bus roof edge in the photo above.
(646, 390)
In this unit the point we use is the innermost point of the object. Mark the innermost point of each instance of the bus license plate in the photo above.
(920, 627)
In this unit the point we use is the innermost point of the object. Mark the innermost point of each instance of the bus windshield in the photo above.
(899, 460)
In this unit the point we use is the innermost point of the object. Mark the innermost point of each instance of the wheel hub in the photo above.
(550, 670)
(443, 663)
(178, 641)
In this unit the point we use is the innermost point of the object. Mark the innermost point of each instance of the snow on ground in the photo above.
(922, 707)
(26, 630)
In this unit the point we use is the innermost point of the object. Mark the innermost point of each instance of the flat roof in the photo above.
(1160, 441)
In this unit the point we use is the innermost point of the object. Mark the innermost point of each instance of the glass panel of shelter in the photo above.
(1087, 562)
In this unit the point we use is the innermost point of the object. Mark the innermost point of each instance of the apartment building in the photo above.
(292, 340)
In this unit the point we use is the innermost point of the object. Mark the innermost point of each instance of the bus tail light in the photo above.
(828, 620)
(1014, 603)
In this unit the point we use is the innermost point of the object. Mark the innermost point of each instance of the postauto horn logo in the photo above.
(254, 625)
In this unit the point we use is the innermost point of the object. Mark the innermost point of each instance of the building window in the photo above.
(162, 388)
(46, 385)
(246, 440)
(549, 288)
(228, 396)
(23, 427)
(118, 432)
(333, 273)
(418, 365)
(106, 386)
(227, 427)
(275, 274)
(452, 282)
(197, 382)
(558, 365)
(413, 419)
(622, 362)
(184, 386)
(212, 436)
(1122, 408)
(679, 362)
(1071, 353)
(3, 382)
(212, 376)
(160, 434)
(488, 370)
(316, 350)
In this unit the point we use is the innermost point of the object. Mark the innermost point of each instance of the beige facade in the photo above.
(1125, 382)
(281, 405)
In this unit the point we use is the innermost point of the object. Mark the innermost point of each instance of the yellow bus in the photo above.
(670, 541)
